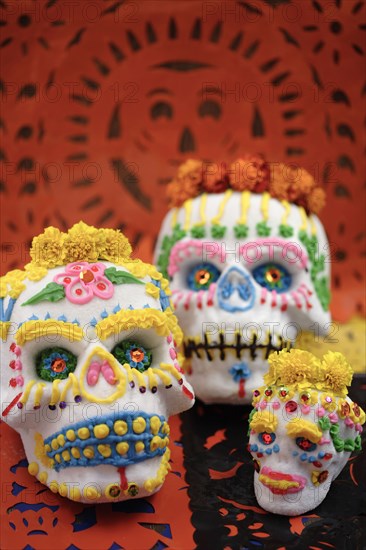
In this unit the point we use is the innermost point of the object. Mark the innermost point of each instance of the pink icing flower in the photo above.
(82, 281)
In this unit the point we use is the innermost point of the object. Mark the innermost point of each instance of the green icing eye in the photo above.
(55, 364)
(137, 356)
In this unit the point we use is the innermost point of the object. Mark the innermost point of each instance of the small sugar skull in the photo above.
(248, 273)
(303, 429)
(90, 369)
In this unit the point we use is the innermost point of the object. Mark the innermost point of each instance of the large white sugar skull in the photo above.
(248, 273)
(89, 366)
(303, 429)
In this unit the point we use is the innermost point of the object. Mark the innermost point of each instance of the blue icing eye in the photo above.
(273, 277)
(55, 363)
(305, 444)
(202, 276)
(137, 356)
(266, 438)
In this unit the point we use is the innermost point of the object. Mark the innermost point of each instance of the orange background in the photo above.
(85, 137)
(103, 99)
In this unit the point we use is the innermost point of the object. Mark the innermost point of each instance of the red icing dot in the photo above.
(12, 347)
(101, 286)
(12, 382)
(268, 392)
(317, 464)
(259, 455)
(12, 364)
(94, 268)
(77, 267)
(291, 406)
(78, 291)
(67, 280)
(327, 456)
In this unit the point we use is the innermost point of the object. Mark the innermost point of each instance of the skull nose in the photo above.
(187, 143)
(235, 291)
(102, 379)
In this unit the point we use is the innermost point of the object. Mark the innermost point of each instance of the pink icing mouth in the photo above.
(271, 479)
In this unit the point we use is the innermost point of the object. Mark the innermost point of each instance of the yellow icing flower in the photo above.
(113, 245)
(46, 249)
(80, 244)
(292, 367)
(34, 272)
(3, 287)
(337, 372)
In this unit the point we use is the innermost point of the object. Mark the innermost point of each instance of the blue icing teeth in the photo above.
(254, 448)
(312, 458)
(268, 451)
(153, 436)
(76, 322)
(321, 454)
(276, 448)
(104, 314)
(47, 316)
(62, 318)
(33, 318)
(93, 322)
(116, 309)
(303, 457)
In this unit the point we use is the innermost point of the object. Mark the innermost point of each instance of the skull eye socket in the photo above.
(202, 275)
(133, 353)
(267, 438)
(55, 363)
(305, 444)
(273, 277)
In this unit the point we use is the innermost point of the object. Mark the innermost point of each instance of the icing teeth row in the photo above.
(106, 450)
(102, 431)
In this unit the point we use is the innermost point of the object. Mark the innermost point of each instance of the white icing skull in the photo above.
(302, 434)
(248, 273)
(90, 374)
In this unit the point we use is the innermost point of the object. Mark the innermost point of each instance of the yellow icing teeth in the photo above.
(61, 440)
(83, 433)
(155, 424)
(91, 493)
(139, 425)
(70, 434)
(122, 448)
(66, 455)
(88, 452)
(75, 452)
(120, 427)
(155, 443)
(105, 450)
(139, 446)
(33, 468)
(101, 431)
(54, 444)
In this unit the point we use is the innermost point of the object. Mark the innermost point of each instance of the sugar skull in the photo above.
(248, 269)
(303, 429)
(90, 371)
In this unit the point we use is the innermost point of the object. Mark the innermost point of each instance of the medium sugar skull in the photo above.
(248, 269)
(90, 371)
(303, 429)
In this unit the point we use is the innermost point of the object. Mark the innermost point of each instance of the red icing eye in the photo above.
(266, 438)
(305, 444)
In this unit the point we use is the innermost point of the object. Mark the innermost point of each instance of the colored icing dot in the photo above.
(52, 407)
(345, 409)
(12, 382)
(132, 384)
(154, 389)
(101, 286)
(67, 280)
(137, 355)
(87, 276)
(317, 464)
(77, 267)
(256, 393)
(142, 389)
(305, 397)
(283, 392)
(62, 405)
(94, 268)
(323, 476)
(202, 276)
(114, 491)
(12, 347)
(272, 275)
(20, 405)
(328, 399)
(58, 365)
(268, 392)
(77, 398)
(133, 490)
(356, 410)
(328, 456)
(291, 406)
(267, 438)
(180, 382)
(12, 364)
(78, 291)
